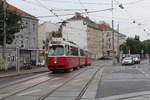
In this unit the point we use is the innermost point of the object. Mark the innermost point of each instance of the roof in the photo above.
(13, 8)
(77, 17)
(104, 26)
(122, 36)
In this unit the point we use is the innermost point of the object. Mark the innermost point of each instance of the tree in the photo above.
(146, 45)
(134, 45)
(13, 24)
(125, 48)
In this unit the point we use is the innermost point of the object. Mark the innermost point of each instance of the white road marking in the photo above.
(29, 92)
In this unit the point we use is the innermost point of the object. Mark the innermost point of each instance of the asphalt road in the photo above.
(120, 80)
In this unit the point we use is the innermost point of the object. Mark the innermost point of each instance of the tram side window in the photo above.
(81, 52)
(74, 51)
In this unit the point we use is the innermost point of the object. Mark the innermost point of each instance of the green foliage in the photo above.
(3, 65)
(13, 24)
(125, 48)
(135, 46)
(146, 45)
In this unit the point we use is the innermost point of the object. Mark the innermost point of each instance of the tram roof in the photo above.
(61, 41)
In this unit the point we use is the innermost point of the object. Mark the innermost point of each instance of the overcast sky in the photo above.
(136, 11)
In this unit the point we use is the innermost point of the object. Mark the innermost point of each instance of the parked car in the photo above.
(136, 60)
(128, 61)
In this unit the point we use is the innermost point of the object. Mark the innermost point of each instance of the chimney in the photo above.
(77, 14)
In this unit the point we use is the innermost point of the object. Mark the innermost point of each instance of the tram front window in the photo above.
(56, 50)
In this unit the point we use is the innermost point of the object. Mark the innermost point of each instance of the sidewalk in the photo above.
(23, 71)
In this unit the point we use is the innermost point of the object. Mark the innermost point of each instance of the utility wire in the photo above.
(69, 9)
(33, 3)
(51, 10)
(134, 2)
(87, 3)
(129, 13)
(81, 13)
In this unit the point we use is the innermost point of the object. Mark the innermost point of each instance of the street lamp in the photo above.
(113, 35)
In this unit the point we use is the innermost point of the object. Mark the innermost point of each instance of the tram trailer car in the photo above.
(66, 56)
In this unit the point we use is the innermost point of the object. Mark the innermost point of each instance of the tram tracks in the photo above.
(44, 96)
(7, 96)
(81, 93)
(79, 97)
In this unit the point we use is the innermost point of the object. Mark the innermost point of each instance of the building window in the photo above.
(21, 36)
(21, 41)
(17, 36)
(22, 46)
(33, 27)
(109, 45)
(107, 34)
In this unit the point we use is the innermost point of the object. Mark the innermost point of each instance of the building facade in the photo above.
(26, 40)
(45, 31)
(85, 33)
(107, 41)
(88, 35)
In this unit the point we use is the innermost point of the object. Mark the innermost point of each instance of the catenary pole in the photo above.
(4, 30)
(113, 41)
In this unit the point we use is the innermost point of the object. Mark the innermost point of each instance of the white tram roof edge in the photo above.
(60, 41)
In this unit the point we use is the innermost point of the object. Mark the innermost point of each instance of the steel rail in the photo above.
(79, 97)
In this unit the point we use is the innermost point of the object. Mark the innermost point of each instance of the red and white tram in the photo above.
(64, 55)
